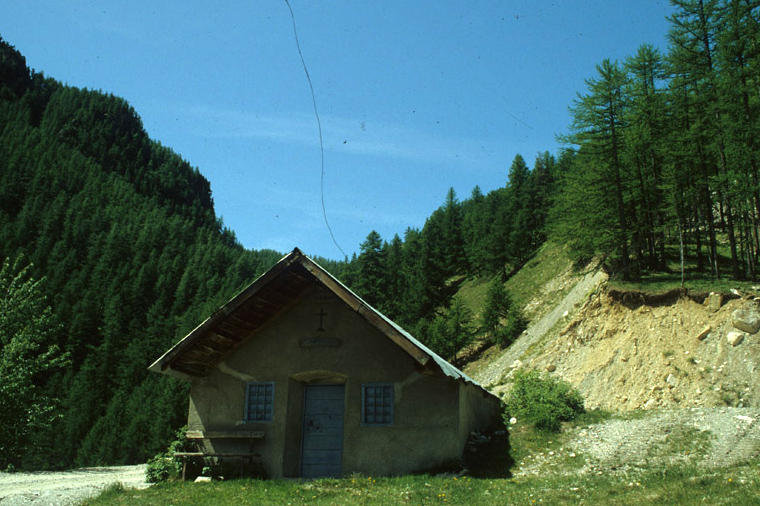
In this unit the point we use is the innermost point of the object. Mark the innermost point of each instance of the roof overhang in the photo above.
(280, 288)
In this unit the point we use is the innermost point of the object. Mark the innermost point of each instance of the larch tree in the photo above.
(646, 143)
(597, 129)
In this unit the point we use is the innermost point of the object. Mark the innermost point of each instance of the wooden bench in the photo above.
(199, 435)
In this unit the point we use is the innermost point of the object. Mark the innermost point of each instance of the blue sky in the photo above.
(414, 97)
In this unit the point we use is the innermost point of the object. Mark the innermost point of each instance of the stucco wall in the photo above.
(427, 431)
(477, 411)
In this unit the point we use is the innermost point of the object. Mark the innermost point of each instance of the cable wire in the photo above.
(319, 126)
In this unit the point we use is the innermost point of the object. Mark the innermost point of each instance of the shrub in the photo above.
(165, 466)
(544, 401)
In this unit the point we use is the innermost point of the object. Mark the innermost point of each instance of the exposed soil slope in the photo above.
(627, 351)
(625, 356)
(491, 373)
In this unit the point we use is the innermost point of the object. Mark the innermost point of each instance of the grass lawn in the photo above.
(738, 485)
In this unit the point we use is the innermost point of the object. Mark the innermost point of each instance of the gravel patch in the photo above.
(65, 488)
(705, 437)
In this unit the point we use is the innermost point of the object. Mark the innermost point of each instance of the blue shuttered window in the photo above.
(377, 404)
(259, 401)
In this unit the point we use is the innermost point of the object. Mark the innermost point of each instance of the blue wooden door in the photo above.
(322, 447)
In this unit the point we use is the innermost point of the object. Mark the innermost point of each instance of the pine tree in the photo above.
(501, 320)
(451, 330)
(475, 230)
(518, 243)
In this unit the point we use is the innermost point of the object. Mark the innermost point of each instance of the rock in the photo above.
(671, 380)
(704, 333)
(746, 319)
(203, 479)
(512, 421)
(714, 301)
(734, 337)
(551, 368)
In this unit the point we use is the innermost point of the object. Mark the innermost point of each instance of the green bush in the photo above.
(544, 401)
(165, 466)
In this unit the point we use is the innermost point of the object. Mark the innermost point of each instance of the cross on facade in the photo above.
(321, 315)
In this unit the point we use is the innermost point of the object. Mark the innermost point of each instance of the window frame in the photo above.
(258, 384)
(392, 402)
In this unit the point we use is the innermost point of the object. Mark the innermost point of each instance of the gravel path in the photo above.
(707, 437)
(65, 488)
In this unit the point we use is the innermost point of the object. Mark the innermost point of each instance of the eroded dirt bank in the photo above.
(676, 353)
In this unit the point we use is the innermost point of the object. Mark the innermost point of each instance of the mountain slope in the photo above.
(124, 232)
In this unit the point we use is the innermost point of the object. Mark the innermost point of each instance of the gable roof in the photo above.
(278, 289)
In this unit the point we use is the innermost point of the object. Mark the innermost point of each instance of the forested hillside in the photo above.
(415, 280)
(123, 232)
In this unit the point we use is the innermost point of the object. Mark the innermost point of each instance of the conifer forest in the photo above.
(111, 251)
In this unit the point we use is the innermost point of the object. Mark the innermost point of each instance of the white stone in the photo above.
(735, 338)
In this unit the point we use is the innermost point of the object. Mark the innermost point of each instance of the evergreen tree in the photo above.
(370, 282)
(598, 124)
(394, 297)
(501, 320)
(476, 227)
(454, 257)
(646, 141)
(693, 35)
(518, 243)
(450, 331)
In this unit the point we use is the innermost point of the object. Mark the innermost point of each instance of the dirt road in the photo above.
(66, 487)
